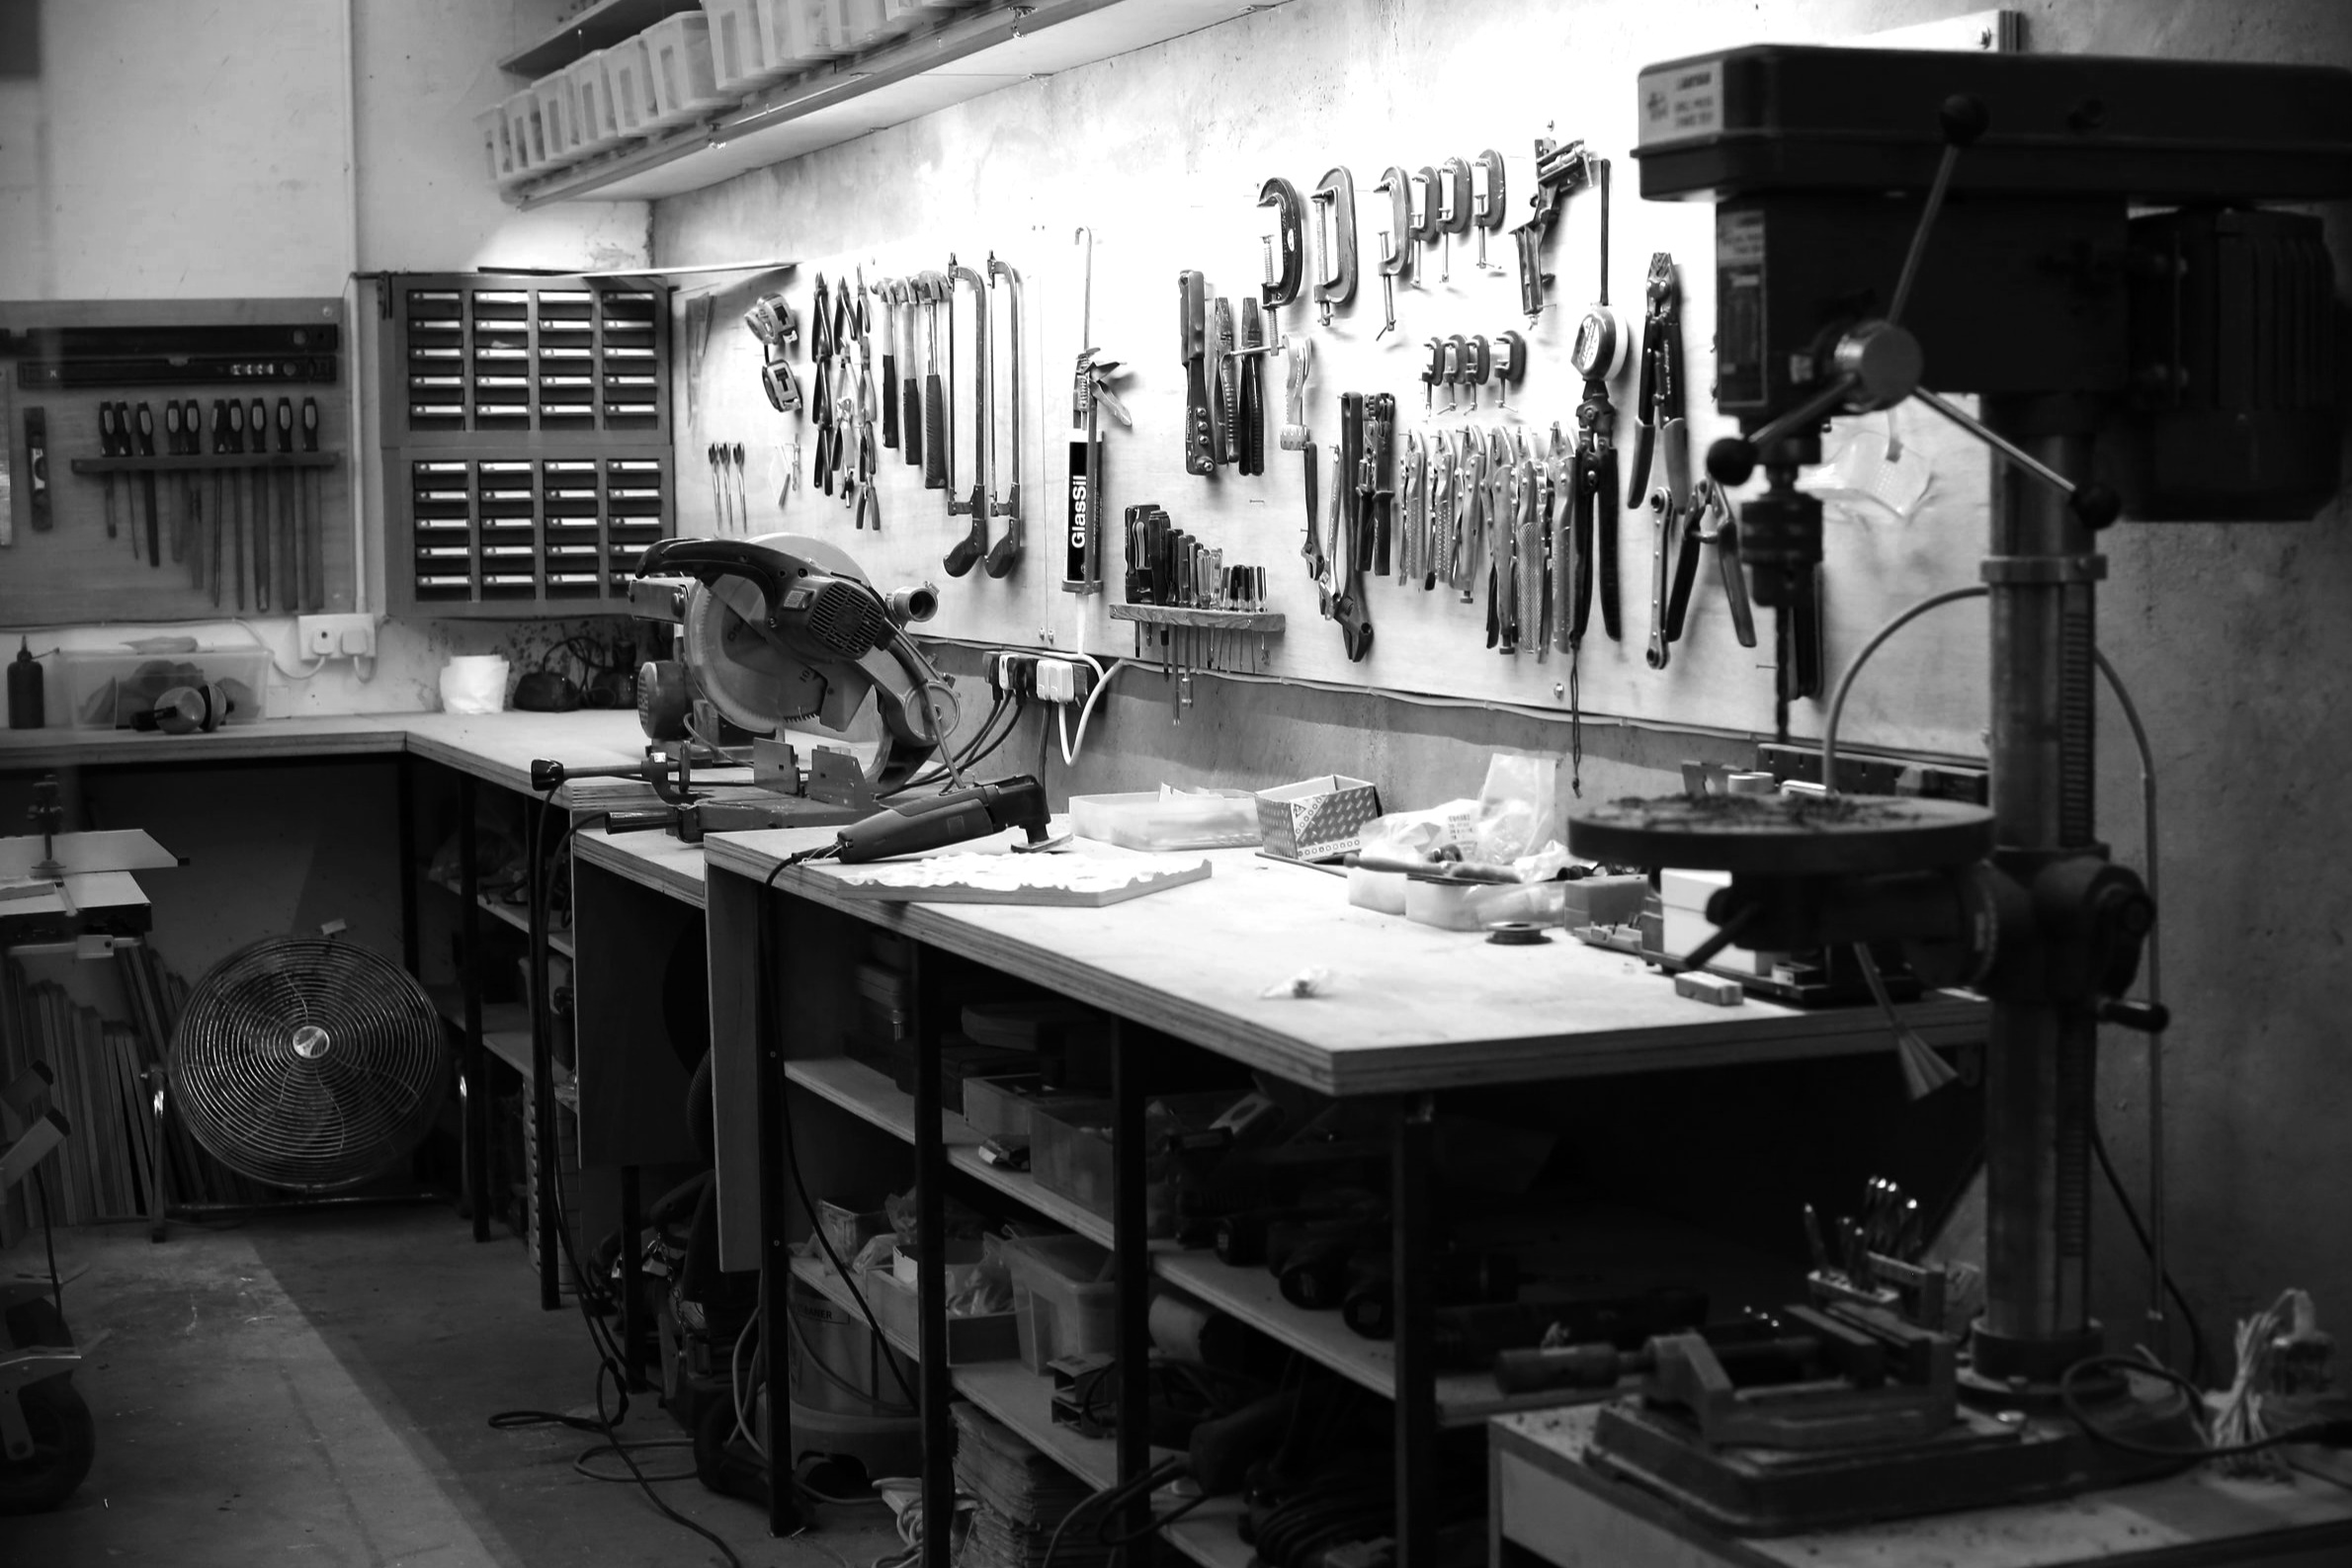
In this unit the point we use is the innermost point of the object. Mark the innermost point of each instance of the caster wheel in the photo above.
(64, 1440)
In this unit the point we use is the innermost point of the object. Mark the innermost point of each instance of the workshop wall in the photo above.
(159, 153)
(2230, 638)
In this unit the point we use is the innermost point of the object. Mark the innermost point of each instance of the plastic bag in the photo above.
(1517, 814)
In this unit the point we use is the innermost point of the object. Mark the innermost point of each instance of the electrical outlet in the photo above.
(336, 637)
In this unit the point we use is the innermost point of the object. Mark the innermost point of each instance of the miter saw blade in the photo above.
(748, 676)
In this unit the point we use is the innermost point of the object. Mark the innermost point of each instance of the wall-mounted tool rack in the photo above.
(527, 441)
(74, 542)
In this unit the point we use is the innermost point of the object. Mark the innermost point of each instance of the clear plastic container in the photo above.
(679, 49)
(741, 59)
(1064, 1295)
(113, 690)
(1167, 819)
(799, 33)
(523, 133)
(497, 147)
(593, 127)
(629, 85)
(1473, 906)
(553, 95)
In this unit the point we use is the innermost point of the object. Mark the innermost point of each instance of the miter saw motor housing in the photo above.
(1980, 223)
(784, 629)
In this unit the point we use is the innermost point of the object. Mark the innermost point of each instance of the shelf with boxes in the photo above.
(700, 96)
(527, 441)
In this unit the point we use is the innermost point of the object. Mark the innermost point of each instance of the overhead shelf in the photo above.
(594, 26)
(960, 57)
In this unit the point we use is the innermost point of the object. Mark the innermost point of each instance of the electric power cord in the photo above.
(2338, 1433)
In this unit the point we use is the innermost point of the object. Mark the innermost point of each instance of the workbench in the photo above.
(1411, 1010)
(1547, 1505)
(494, 750)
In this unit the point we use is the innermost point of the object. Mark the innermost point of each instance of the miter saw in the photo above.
(782, 631)
(2182, 355)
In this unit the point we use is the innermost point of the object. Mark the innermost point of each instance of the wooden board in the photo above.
(1043, 881)
(74, 574)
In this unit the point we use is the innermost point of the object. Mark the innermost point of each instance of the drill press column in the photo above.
(2040, 1055)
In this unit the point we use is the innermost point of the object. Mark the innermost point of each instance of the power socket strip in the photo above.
(336, 637)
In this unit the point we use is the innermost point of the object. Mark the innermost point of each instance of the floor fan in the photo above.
(308, 1063)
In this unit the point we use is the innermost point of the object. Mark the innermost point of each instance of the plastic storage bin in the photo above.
(497, 148)
(113, 690)
(987, 1337)
(593, 127)
(628, 86)
(799, 33)
(1069, 1149)
(525, 134)
(679, 50)
(1063, 1297)
(741, 60)
(1210, 819)
(553, 95)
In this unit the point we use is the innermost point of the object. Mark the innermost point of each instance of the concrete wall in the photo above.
(167, 149)
(2232, 637)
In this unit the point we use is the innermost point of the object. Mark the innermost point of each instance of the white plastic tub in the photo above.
(593, 127)
(628, 86)
(523, 134)
(678, 49)
(497, 146)
(741, 59)
(553, 95)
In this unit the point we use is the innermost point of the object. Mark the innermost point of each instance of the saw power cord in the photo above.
(2338, 1433)
(1102, 683)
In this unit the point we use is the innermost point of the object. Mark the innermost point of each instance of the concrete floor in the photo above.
(315, 1389)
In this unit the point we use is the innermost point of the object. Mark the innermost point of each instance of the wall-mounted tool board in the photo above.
(73, 572)
(1127, 149)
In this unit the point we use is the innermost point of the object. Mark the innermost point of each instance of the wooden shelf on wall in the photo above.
(958, 58)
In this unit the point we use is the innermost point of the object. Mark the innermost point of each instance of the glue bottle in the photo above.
(26, 708)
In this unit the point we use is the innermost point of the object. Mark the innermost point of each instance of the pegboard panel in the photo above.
(92, 563)
(1127, 150)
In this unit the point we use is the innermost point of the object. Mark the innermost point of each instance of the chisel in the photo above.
(314, 515)
(256, 443)
(145, 428)
(291, 572)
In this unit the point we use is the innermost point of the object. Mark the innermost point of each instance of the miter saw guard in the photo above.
(782, 630)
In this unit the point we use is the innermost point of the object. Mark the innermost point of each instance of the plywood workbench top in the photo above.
(1410, 1007)
(496, 747)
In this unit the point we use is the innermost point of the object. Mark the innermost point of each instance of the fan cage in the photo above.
(308, 1063)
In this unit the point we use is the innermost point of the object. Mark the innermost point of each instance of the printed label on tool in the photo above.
(1081, 520)
(1682, 101)
(1739, 308)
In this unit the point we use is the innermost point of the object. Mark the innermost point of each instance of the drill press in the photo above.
(1884, 219)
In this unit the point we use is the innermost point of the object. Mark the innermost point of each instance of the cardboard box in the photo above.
(1316, 819)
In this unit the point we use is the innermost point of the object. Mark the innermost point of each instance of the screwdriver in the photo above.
(146, 448)
(236, 495)
(171, 443)
(313, 522)
(257, 427)
(219, 445)
(191, 432)
(290, 565)
(112, 444)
